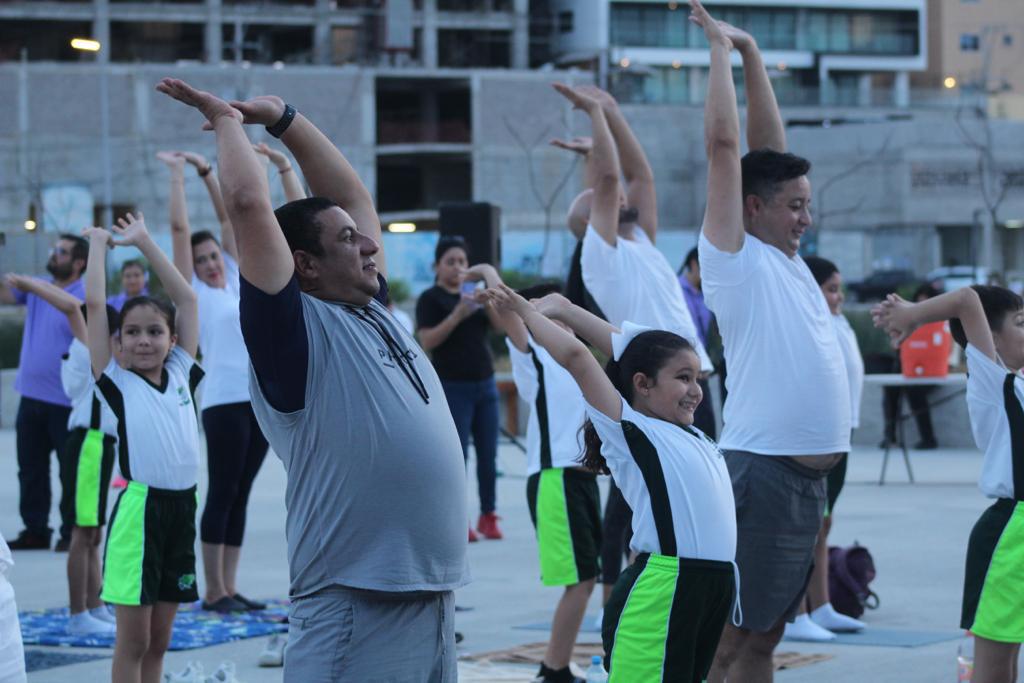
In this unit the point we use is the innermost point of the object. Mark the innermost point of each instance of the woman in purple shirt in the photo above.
(133, 283)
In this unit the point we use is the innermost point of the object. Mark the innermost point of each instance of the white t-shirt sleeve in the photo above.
(985, 378)
(524, 374)
(231, 273)
(598, 256)
(722, 269)
(180, 362)
(76, 370)
(613, 441)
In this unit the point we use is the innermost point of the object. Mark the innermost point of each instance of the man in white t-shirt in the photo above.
(623, 271)
(787, 415)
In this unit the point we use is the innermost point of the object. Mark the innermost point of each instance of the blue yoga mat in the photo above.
(193, 627)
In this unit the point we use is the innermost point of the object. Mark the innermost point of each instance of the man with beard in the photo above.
(42, 422)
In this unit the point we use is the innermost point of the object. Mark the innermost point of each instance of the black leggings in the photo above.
(617, 533)
(235, 448)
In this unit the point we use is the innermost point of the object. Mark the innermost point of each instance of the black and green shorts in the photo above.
(664, 618)
(993, 606)
(150, 555)
(565, 506)
(93, 462)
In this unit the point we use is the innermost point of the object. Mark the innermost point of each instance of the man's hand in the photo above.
(208, 104)
(713, 30)
(741, 40)
(265, 110)
(608, 102)
(277, 158)
(579, 99)
(580, 145)
(130, 231)
(22, 282)
(174, 160)
(895, 315)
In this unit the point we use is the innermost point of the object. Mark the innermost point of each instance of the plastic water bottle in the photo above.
(596, 672)
(965, 660)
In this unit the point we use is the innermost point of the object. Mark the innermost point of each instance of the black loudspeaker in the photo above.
(479, 223)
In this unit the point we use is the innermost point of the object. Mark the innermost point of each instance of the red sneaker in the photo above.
(473, 538)
(487, 525)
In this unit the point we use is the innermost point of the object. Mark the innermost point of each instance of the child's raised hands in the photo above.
(130, 230)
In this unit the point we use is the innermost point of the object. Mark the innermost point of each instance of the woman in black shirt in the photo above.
(453, 328)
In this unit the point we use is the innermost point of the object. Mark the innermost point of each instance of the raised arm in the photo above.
(205, 171)
(289, 179)
(325, 168)
(640, 192)
(181, 232)
(604, 210)
(723, 215)
(567, 351)
(264, 258)
(764, 122)
(596, 332)
(900, 318)
(502, 319)
(63, 301)
(131, 231)
(96, 299)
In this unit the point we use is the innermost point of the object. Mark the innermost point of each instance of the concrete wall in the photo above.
(881, 185)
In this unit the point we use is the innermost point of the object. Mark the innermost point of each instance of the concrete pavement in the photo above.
(917, 534)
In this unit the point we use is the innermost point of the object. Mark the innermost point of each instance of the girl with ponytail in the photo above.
(667, 610)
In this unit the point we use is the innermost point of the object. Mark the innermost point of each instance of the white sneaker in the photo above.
(225, 673)
(805, 629)
(193, 673)
(84, 624)
(103, 613)
(826, 616)
(273, 653)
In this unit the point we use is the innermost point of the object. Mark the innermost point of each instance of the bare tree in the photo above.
(975, 125)
(824, 214)
(543, 193)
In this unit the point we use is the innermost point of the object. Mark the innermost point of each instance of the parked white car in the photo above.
(949, 278)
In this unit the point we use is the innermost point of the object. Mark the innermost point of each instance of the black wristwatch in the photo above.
(278, 129)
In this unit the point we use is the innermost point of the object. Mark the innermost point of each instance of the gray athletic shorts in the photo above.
(340, 634)
(779, 508)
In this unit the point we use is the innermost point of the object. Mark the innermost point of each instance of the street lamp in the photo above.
(91, 45)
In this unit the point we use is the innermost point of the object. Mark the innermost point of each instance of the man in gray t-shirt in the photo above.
(376, 488)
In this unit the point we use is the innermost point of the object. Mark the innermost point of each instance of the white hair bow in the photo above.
(620, 340)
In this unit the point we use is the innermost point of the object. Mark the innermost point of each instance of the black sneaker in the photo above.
(225, 605)
(252, 605)
(28, 540)
(62, 545)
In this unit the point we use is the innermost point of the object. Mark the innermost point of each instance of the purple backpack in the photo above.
(850, 570)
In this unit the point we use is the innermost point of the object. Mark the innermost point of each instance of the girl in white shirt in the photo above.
(149, 562)
(989, 323)
(816, 619)
(564, 500)
(666, 613)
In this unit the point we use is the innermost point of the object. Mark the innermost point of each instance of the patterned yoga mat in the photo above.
(193, 627)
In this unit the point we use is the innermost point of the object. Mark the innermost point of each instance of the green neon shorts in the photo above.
(993, 606)
(150, 555)
(664, 618)
(94, 462)
(565, 506)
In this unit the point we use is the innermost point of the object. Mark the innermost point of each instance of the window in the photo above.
(565, 22)
(969, 42)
